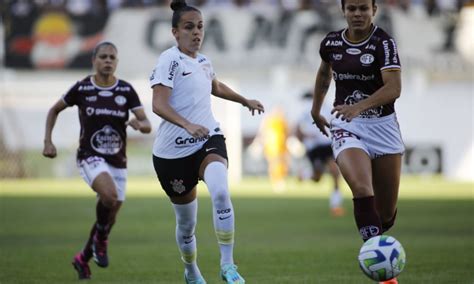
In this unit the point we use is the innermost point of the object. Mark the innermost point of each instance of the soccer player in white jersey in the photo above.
(366, 139)
(103, 103)
(189, 144)
(320, 154)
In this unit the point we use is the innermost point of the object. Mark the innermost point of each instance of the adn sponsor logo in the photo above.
(86, 88)
(334, 43)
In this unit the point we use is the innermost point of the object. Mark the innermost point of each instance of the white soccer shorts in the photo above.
(376, 136)
(91, 167)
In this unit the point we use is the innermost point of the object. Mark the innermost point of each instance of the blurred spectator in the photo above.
(273, 135)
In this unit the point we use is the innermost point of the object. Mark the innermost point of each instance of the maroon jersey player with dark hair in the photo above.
(103, 102)
(363, 61)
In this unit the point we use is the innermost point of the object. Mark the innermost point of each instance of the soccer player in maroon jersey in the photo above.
(103, 103)
(363, 61)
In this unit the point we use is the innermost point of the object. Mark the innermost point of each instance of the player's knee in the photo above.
(109, 199)
(361, 190)
(187, 226)
(220, 196)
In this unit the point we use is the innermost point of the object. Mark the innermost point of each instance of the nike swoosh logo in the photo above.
(186, 74)
(223, 218)
(186, 242)
(210, 149)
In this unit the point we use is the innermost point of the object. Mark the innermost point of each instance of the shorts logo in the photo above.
(178, 186)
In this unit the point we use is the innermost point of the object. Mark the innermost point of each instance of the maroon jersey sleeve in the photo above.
(323, 50)
(70, 97)
(134, 100)
(387, 53)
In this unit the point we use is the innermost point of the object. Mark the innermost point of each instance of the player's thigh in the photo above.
(97, 174)
(386, 171)
(105, 186)
(356, 168)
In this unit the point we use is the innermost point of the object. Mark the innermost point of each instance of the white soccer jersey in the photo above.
(312, 136)
(191, 82)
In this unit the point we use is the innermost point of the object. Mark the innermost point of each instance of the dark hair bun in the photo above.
(178, 5)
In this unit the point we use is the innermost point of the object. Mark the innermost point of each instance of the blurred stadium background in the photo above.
(266, 49)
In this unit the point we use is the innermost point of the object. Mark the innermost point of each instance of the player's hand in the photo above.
(254, 106)
(196, 130)
(346, 112)
(49, 150)
(321, 123)
(133, 123)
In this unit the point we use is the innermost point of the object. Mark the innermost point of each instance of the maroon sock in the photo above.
(366, 217)
(387, 225)
(87, 251)
(103, 217)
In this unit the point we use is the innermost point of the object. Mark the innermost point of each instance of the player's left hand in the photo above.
(346, 112)
(134, 123)
(254, 105)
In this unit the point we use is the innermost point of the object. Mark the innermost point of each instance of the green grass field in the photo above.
(280, 238)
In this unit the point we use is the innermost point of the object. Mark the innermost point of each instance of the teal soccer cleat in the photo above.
(230, 275)
(194, 281)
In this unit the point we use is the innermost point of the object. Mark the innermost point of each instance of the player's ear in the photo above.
(375, 10)
(175, 33)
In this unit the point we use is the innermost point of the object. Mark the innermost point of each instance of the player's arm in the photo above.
(321, 87)
(140, 122)
(221, 90)
(49, 150)
(389, 92)
(162, 108)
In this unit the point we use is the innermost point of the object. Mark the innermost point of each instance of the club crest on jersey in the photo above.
(366, 59)
(120, 100)
(353, 51)
(178, 186)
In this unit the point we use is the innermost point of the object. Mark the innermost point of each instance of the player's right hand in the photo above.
(321, 123)
(196, 130)
(49, 150)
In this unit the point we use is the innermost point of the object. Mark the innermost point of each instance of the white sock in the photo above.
(186, 219)
(336, 199)
(215, 177)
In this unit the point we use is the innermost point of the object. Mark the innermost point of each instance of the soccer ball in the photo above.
(382, 258)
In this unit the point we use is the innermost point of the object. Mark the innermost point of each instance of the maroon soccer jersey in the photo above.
(357, 67)
(103, 113)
